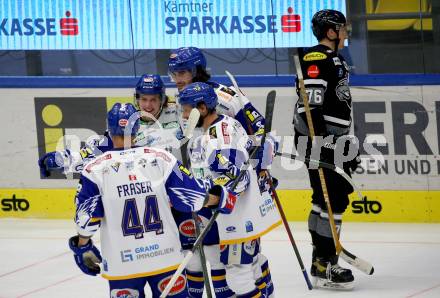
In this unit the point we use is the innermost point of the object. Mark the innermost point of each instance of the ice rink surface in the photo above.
(35, 261)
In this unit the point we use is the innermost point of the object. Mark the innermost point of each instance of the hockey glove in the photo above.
(53, 161)
(266, 153)
(227, 198)
(263, 181)
(87, 257)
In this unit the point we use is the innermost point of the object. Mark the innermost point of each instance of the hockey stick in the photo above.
(270, 104)
(205, 231)
(326, 166)
(208, 226)
(202, 258)
(193, 119)
(360, 264)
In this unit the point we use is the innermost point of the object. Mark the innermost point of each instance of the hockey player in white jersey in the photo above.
(158, 127)
(187, 65)
(218, 154)
(127, 194)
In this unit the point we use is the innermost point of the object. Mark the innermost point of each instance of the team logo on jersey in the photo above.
(116, 166)
(337, 61)
(153, 163)
(142, 162)
(313, 71)
(132, 177)
(187, 228)
(178, 287)
(129, 165)
(213, 132)
(124, 293)
(314, 56)
(343, 92)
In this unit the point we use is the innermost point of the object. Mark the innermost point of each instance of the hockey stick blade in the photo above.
(356, 262)
(270, 105)
(237, 90)
(193, 119)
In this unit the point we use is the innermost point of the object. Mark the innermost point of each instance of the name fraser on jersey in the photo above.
(135, 188)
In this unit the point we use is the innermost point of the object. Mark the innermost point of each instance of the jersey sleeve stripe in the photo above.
(336, 120)
(319, 82)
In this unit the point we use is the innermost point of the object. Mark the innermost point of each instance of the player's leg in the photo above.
(238, 259)
(128, 288)
(218, 272)
(158, 283)
(262, 275)
(194, 275)
(324, 259)
(194, 272)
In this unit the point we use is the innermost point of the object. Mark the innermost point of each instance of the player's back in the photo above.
(326, 76)
(138, 233)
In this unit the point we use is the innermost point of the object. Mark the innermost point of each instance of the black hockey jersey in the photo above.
(326, 76)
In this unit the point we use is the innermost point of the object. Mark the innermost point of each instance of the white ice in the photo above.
(35, 261)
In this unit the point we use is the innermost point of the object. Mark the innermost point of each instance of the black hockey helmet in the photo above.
(327, 19)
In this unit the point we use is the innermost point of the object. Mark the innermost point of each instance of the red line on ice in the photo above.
(423, 291)
(49, 286)
(33, 264)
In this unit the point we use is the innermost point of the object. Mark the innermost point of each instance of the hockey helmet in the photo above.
(186, 58)
(123, 118)
(198, 93)
(327, 19)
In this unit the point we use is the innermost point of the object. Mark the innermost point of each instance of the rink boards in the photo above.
(379, 205)
(404, 187)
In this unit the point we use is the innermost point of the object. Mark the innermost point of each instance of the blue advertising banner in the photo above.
(157, 24)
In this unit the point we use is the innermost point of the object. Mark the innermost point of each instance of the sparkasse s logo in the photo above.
(66, 26)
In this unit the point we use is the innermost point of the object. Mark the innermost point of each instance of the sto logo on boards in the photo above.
(15, 204)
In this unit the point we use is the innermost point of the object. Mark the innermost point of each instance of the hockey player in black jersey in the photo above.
(326, 76)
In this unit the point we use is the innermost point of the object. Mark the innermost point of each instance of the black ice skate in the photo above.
(329, 275)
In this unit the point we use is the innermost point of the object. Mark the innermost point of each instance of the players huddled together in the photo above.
(166, 165)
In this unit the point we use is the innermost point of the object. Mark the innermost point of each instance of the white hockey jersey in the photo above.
(128, 194)
(216, 153)
(164, 133)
